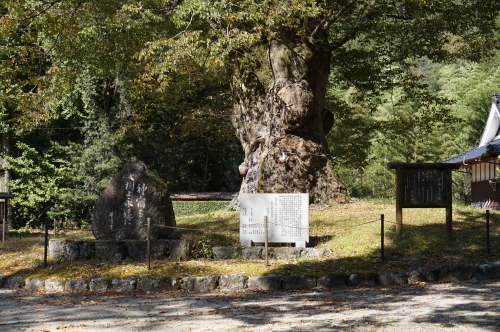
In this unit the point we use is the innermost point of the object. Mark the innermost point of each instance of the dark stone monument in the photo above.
(133, 196)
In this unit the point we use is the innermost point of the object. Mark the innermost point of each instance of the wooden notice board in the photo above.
(423, 185)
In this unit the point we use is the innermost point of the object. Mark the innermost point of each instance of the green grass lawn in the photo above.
(351, 231)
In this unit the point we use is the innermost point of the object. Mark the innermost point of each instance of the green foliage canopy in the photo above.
(149, 80)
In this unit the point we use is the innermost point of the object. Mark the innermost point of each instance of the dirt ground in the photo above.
(436, 307)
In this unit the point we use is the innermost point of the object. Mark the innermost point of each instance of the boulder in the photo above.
(156, 284)
(138, 250)
(13, 282)
(133, 196)
(227, 252)
(491, 270)
(76, 285)
(122, 285)
(461, 272)
(199, 284)
(362, 280)
(422, 275)
(269, 282)
(179, 250)
(287, 253)
(232, 282)
(315, 252)
(34, 284)
(53, 285)
(64, 250)
(331, 280)
(98, 285)
(295, 282)
(170, 283)
(110, 250)
(87, 250)
(149, 284)
(391, 278)
(253, 252)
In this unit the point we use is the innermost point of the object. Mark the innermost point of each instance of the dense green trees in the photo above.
(87, 85)
(77, 104)
(282, 52)
(426, 112)
(458, 103)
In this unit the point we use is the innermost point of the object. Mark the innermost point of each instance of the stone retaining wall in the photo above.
(236, 282)
(65, 250)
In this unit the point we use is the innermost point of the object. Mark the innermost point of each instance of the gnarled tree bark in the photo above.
(5, 152)
(5, 178)
(280, 119)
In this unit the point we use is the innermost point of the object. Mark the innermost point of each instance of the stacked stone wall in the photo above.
(237, 282)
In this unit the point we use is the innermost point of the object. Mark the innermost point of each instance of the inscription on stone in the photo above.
(288, 218)
(133, 196)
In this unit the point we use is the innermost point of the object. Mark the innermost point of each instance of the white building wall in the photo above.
(485, 171)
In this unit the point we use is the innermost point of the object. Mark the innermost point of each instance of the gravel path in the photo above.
(433, 307)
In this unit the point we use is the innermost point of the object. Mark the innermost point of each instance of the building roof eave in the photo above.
(477, 153)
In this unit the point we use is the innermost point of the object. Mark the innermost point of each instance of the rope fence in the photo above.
(233, 228)
(382, 221)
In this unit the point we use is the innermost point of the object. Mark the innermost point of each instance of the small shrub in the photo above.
(202, 248)
(202, 244)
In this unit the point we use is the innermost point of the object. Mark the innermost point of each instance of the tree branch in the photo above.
(35, 12)
(185, 29)
(65, 25)
(329, 20)
(349, 34)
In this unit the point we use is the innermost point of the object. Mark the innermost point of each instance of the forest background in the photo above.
(79, 99)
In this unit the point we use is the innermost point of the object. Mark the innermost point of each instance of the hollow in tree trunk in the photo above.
(281, 122)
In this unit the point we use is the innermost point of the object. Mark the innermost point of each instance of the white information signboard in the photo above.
(287, 215)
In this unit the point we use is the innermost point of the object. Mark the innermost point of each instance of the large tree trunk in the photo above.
(5, 152)
(5, 178)
(281, 122)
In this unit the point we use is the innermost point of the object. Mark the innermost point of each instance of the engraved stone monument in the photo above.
(133, 196)
(287, 214)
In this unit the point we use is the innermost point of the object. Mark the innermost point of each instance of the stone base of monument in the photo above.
(176, 250)
(257, 252)
(180, 250)
(298, 244)
(64, 250)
